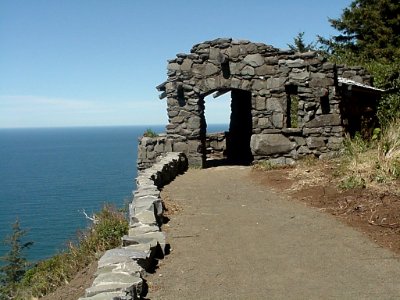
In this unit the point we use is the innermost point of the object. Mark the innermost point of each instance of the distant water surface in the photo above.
(48, 176)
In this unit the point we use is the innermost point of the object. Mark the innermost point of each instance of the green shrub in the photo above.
(105, 233)
(352, 182)
(15, 264)
(150, 133)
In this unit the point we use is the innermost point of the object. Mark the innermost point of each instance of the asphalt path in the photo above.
(236, 239)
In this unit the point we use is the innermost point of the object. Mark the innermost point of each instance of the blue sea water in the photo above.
(48, 176)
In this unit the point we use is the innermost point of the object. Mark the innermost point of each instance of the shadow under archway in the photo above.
(238, 151)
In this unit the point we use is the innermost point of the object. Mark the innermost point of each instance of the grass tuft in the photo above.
(105, 233)
(150, 133)
(369, 163)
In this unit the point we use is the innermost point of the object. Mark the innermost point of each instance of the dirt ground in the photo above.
(373, 212)
(76, 287)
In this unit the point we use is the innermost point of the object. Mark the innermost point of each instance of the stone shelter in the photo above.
(284, 105)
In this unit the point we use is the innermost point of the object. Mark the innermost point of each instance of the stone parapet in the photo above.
(216, 145)
(120, 271)
(151, 148)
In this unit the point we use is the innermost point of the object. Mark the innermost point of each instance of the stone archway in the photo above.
(292, 108)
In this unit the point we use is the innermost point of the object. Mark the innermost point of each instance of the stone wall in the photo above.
(274, 78)
(120, 271)
(216, 145)
(150, 148)
(358, 74)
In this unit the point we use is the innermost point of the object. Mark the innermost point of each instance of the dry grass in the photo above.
(375, 165)
(389, 150)
(309, 172)
(105, 233)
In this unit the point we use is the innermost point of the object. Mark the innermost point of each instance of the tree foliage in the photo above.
(14, 262)
(299, 44)
(369, 29)
(370, 37)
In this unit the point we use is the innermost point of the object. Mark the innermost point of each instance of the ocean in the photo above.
(49, 176)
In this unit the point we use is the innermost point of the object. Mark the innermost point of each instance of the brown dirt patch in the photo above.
(76, 287)
(375, 211)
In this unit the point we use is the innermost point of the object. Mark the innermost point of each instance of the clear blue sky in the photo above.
(97, 62)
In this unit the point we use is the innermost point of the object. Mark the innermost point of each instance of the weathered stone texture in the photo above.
(120, 271)
(269, 144)
(273, 77)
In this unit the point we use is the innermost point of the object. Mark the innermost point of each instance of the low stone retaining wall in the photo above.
(120, 271)
(216, 145)
(151, 147)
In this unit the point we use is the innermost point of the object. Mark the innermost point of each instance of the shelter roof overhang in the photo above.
(352, 85)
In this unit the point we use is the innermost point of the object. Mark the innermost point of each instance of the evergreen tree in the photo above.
(299, 44)
(370, 37)
(14, 263)
(370, 29)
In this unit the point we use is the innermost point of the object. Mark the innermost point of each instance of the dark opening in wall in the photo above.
(292, 109)
(325, 107)
(240, 128)
(226, 72)
(228, 145)
(181, 96)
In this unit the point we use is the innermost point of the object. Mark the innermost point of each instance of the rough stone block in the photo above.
(299, 140)
(254, 60)
(321, 82)
(210, 83)
(259, 84)
(315, 142)
(273, 83)
(115, 256)
(144, 217)
(299, 75)
(264, 123)
(210, 69)
(152, 238)
(112, 287)
(128, 267)
(324, 120)
(142, 229)
(194, 122)
(268, 144)
(116, 278)
(266, 70)
(186, 65)
(106, 296)
(303, 150)
(275, 104)
(247, 70)
(297, 63)
(335, 143)
(173, 67)
(277, 120)
(260, 103)
(180, 147)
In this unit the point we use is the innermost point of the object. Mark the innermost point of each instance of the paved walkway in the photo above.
(235, 239)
